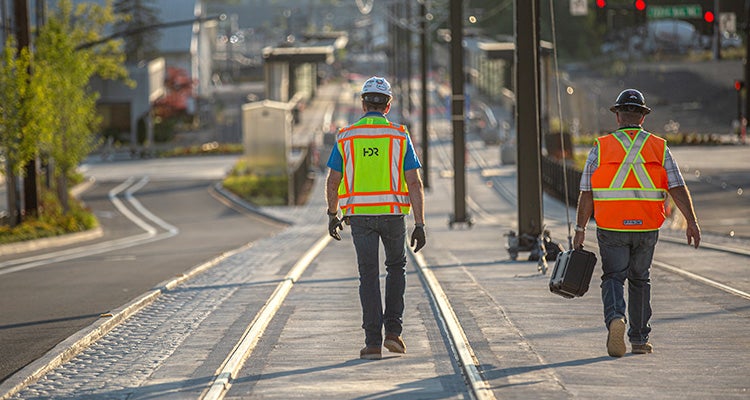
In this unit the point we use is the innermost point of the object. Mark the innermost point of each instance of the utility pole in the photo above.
(402, 80)
(393, 50)
(457, 112)
(31, 197)
(41, 14)
(530, 216)
(746, 69)
(407, 53)
(5, 21)
(46, 161)
(11, 181)
(425, 102)
(715, 38)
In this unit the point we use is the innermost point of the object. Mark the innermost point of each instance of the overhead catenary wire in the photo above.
(560, 118)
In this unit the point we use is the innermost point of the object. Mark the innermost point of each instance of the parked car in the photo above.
(669, 35)
(728, 41)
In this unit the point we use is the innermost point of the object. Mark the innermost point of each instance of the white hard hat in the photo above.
(377, 84)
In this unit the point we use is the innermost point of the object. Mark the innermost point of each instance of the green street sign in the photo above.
(676, 11)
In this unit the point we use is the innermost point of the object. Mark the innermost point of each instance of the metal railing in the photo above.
(554, 174)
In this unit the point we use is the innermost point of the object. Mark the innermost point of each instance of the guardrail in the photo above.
(554, 175)
(299, 175)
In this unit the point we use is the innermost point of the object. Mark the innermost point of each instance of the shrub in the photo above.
(262, 190)
(51, 221)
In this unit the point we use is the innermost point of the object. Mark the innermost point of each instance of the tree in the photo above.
(179, 92)
(138, 14)
(62, 74)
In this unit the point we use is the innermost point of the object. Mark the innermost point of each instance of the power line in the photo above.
(142, 29)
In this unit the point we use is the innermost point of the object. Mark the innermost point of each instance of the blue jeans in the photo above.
(367, 231)
(627, 255)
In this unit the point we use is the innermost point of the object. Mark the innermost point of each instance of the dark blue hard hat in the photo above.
(630, 100)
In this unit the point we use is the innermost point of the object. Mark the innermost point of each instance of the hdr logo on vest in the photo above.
(631, 222)
(370, 152)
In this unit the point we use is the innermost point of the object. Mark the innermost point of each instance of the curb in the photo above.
(46, 243)
(236, 200)
(78, 342)
(55, 241)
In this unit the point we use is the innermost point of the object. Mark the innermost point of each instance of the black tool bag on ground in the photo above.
(572, 273)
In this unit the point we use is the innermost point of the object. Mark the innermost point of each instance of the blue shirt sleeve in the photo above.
(335, 161)
(411, 161)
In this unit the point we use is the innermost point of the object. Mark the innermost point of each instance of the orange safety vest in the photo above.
(373, 180)
(630, 183)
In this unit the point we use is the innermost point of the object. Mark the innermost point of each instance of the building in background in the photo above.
(186, 47)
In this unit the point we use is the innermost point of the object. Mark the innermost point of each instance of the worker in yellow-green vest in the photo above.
(624, 184)
(374, 180)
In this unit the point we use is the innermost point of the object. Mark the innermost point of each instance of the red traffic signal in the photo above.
(738, 85)
(708, 16)
(601, 3)
(640, 5)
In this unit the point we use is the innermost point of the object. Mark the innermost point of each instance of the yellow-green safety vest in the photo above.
(373, 181)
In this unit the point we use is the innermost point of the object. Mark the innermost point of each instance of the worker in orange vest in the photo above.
(624, 185)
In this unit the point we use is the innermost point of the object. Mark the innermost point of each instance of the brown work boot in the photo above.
(394, 344)
(370, 353)
(616, 338)
(645, 348)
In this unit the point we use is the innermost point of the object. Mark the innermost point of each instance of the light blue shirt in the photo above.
(411, 161)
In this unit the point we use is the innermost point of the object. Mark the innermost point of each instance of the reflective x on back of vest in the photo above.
(373, 181)
(629, 186)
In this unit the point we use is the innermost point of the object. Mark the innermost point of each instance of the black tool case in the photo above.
(572, 273)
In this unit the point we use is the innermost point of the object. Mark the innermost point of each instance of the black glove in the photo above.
(334, 225)
(418, 239)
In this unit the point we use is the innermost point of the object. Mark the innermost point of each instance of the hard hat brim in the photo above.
(376, 98)
(644, 110)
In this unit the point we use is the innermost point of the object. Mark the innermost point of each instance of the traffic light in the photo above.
(640, 11)
(738, 84)
(709, 19)
(601, 11)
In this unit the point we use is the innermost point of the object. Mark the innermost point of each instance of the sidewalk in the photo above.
(528, 342)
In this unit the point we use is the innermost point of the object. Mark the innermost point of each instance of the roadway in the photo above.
(719, 181)
(160, 218)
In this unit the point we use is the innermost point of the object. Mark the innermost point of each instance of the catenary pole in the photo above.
(457, 112)
(530, 215)
(425, 101)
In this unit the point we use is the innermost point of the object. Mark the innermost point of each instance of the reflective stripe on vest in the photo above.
(373, 183)
(629, 187)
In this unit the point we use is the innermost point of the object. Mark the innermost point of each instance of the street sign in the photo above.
(578, 8)
(676, 11)
(727, 22)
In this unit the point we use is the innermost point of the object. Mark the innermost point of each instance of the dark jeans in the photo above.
(367, 231)
(627, 255)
